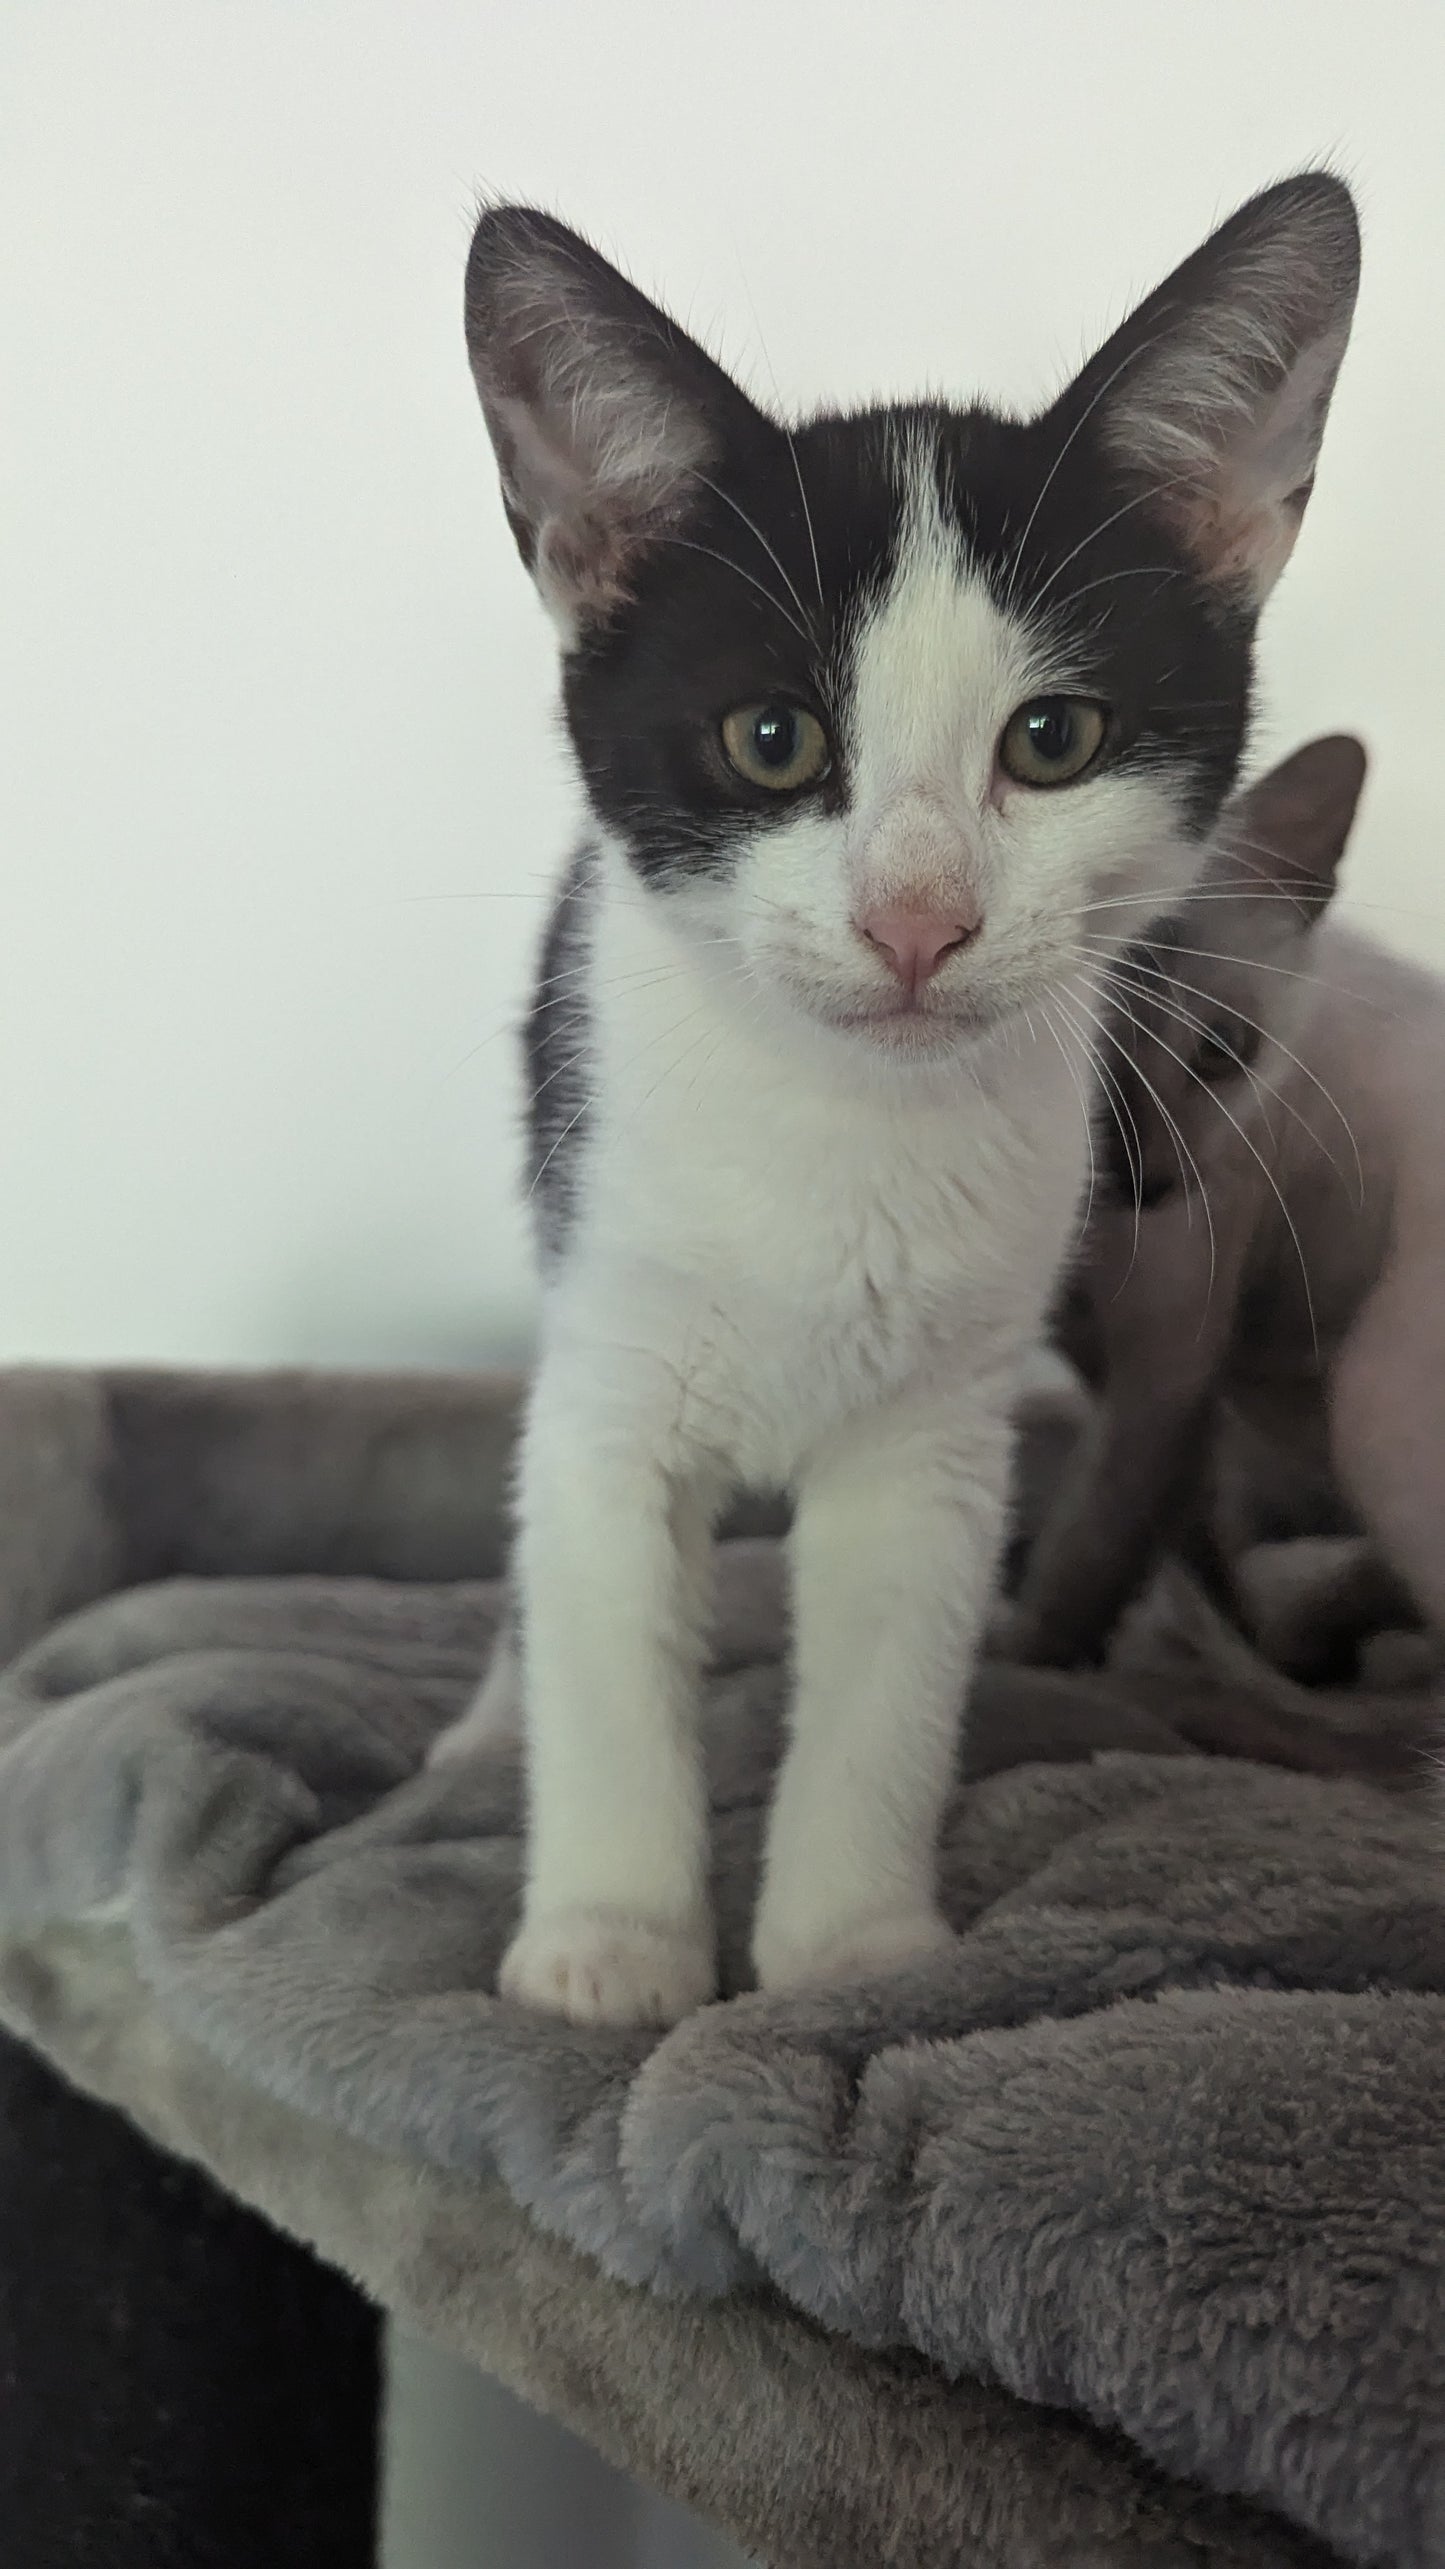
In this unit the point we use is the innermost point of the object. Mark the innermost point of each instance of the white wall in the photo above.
(280, 787)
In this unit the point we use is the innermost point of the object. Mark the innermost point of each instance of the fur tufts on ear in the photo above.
(1215, 390)
(601, 410)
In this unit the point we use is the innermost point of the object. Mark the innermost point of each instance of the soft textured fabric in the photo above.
(1159, 2151)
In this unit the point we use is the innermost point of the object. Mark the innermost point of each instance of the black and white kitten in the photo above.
(874, 717)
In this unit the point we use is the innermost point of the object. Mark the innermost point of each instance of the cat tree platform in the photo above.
(1116, 2237)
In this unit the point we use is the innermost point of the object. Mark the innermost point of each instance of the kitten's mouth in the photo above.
(892, 1020)
(907, 1025)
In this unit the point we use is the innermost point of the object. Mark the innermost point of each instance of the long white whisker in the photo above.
(636, 983)
(570, 1126)
(1159, 571)
(686, 545)
(659, 1037)
(754, 529)
(1170, 902)
(792, 441)
(1255, 1154)
(1120, 1106)
(573, 972)
(1077, 1085)
(1182, 1151)
(1282, 971)
(1171, 981)
(1141, 499)
(807, 514)
(1120, 990)
(1186, 901)
(1085, 415)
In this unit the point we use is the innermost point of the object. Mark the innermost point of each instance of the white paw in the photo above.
(602, 1967)
(788, 1961)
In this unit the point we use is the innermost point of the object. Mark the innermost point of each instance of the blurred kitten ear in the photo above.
(1287, 834)
(1215, 390)
(603, 413)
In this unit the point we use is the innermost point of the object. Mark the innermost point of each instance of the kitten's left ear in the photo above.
(1215, 390)
(1287, 834)
(603, 413)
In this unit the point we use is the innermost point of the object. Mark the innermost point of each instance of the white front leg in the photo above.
(895, 1544)
(612, 1571)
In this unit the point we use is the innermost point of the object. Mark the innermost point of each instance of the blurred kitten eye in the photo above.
(1224, 1051)
(779, 746)
(1052, 739)
(1213, 1061)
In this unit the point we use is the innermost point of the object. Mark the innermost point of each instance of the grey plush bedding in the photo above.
(1119, 2236)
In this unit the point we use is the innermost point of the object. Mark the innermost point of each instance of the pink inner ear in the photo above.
(592, 465)
(581, 567)
(582, 531)
(1233, 460)
(1239, 539)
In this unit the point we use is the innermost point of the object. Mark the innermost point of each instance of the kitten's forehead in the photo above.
(922, 514)
(1045, 523)
(936, 662)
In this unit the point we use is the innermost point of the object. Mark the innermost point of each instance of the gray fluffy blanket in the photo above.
(1118, 2237)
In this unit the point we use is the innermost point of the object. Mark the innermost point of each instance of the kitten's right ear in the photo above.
(603, 412)
(1287, 834)
(1214, 392)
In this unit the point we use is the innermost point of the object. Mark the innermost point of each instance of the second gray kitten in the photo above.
(1267, 1233)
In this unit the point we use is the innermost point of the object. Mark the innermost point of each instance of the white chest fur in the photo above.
(791, 1234)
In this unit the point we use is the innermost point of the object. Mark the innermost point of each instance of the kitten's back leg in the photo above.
(1387, 1424)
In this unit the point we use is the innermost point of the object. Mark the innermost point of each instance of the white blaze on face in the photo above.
(937, 671)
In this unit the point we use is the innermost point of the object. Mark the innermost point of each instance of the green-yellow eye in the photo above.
(1052, 739)
(780, 746)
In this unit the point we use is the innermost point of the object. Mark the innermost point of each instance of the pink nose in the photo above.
(915, 944)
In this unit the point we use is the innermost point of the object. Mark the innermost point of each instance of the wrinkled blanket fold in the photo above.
(1117, 2234)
